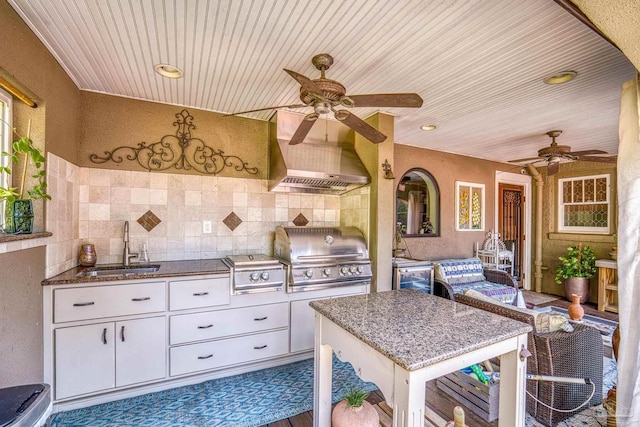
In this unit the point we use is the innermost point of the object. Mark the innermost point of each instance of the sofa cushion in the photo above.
(544, 322)
(459, 271)
(501, 293)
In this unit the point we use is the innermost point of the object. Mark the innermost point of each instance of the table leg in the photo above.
(322, 377)
(408, 398)
(512, 387)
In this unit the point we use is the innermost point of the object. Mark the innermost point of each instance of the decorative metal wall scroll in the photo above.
(179, 151)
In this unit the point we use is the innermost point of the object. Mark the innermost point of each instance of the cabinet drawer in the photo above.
(216, 324)
(185, 294)
(231, 351)
(108, 301)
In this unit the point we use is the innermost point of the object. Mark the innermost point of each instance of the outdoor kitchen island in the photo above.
(401, 339)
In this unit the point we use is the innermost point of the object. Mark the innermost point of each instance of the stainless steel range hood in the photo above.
(324, 163)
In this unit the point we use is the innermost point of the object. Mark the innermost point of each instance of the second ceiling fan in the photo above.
(324, 95)
(554, 153)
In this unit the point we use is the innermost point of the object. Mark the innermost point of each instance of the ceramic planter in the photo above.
(19, 217)
(578, 286)
(357, 416)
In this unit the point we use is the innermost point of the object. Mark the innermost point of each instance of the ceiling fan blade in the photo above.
(528, 159)
(303, 129)
(305, 82)
(360, 126)
(587, 152)
(408, 100)
(612, 159)
(552, 168)
(264, 109)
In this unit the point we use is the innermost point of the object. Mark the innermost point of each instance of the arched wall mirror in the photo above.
(418, 204)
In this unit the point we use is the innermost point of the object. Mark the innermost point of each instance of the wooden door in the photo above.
(511, 224)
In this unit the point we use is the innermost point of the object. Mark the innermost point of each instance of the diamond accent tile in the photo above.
(149, 220)
(300, 220)
(232, 221)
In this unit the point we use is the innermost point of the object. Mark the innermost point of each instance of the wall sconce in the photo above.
(388, 173)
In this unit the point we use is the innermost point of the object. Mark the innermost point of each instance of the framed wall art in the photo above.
(469, 206)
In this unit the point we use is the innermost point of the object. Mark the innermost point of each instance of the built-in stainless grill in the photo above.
(322, 257)
(255, 273)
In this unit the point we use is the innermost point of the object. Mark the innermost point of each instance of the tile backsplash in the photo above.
(90, 206)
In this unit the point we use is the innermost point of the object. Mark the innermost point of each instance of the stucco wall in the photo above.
(30, 64)
(109, 122)
(555, 244)
(21, 345)
(447, 169)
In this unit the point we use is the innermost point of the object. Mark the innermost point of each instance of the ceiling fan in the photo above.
(324, 95)
(554, 153)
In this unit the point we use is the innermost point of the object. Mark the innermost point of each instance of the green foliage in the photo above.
(579, 262)
(23, 147)
(355, 396)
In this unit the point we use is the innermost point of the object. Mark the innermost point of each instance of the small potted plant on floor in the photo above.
(355, 411)
(18, 209)
(575, 270)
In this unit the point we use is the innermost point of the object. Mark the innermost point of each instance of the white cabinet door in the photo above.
(196, 293)
(84, 359)
(302, 325)
(140, 350)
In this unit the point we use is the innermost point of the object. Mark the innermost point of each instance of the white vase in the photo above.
(359, 416)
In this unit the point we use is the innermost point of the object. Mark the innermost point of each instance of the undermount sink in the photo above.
(118, 270)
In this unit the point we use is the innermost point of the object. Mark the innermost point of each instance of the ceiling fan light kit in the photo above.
(324, 95)
(555, 153)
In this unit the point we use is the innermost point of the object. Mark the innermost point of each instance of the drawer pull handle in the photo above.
(83, 304)
(122, 333)
(200, 294)
(206, 326)
(260, 347)
(141, 299)
(205, 357)
(259, 319)
(104, 336)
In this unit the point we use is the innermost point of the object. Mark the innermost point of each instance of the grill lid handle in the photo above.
(312, 257)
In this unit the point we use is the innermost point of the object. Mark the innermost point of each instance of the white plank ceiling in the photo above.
(478, 64)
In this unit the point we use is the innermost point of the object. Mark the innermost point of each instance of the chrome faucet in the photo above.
(126, 255)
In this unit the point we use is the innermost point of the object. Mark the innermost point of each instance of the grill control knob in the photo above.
(352, 269)
(326, 272)
(344, 270)
(308, 273)
(264, 275)
(254, 277)
(359, 270)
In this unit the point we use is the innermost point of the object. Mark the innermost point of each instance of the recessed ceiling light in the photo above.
(428, 127)
(561, 77)
(169, 71)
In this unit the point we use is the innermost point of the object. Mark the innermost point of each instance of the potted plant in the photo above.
(575, 270)
(18, 209)
(355, 411)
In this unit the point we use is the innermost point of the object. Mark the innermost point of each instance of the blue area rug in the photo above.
(246, 400)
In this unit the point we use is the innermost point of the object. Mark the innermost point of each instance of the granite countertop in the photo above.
(166, 269)
(415, 329)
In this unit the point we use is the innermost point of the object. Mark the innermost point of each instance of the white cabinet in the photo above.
(232, 351)
(102, 356)
(197, 293)
(84, 359)
(303, 318)
(223, 323)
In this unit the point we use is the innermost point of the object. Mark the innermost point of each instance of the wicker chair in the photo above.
(497, 277)
(576, 354)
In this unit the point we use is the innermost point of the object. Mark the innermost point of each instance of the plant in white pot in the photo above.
(19, 209)
(354, 411)
(575, 270)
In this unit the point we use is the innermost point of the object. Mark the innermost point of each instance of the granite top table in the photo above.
(401, 339)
